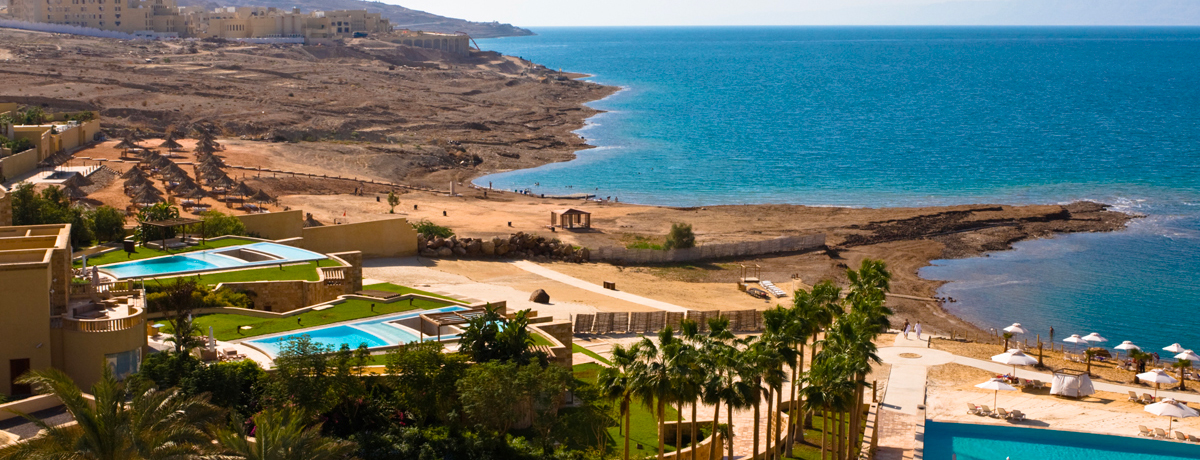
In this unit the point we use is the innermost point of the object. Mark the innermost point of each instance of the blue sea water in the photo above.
(914, 116)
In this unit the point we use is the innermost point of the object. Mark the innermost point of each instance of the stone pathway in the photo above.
(910, 359)
(576, 282)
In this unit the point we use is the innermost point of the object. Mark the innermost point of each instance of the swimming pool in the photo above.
(241, 256)
(375, 332)
(978, 442)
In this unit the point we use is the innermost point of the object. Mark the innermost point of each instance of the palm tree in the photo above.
(720, 383)
(851, 340)
(815, 310)
(126, 421)
(781, 333)
(655, 384)
(1182, 365)
(617, 382)
(282, 435)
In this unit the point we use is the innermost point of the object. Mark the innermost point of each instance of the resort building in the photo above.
(48, 321)
(64, 133)
(459, 44)
(133, 16)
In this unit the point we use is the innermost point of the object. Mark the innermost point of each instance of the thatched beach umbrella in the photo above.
(146, 198)
(137, 181)
(129, 142)
(78, 180)
(213, 161)
(204, 149)
(134, 171)
(261, 197)
(144, 188)
(169, 143)
(223, 183)
(74, 193)
(242, 190)
(195, 194)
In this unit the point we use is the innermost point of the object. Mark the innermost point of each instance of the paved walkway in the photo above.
(576, 282)
(910, 360)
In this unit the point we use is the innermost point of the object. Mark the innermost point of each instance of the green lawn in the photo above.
(146, 253)
(539, 340)
(225, 325)
(811, 449)
(389, 287)
(644, 425)
(576, 348)
(306, 271)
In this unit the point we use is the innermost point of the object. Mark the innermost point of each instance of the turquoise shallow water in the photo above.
(980, 442)
(893, 116)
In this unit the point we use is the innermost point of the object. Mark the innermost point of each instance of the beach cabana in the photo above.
(1074, 384)
(570, 218)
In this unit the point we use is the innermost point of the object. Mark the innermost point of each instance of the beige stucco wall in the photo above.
(5, 208)
(25, 309)
(81, 354)
(16, 165)
(40, 136)
(379, 238)
(275, 225)
(285, 296)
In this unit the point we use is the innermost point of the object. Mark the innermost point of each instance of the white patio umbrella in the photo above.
(1126, 346)
(1015, 358)
(1073, 340)
(996, 385)
(1188, 355)
(1171, 408)
(1157, 376)
(1094, 338)
(1015, 329)
(1174, 348)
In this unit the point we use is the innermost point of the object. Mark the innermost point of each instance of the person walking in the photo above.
(918, 329)
(906, 328)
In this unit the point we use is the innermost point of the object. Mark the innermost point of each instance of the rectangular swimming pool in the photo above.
(375, 332)
(242, 256)
(945, 441)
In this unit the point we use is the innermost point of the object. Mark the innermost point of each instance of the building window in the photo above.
(124, 363)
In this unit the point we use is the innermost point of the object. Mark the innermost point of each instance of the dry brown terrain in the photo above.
(384, 109)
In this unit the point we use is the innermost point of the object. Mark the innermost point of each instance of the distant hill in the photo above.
(401, 17)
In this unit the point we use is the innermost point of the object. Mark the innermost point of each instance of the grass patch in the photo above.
(119, 255)
(225, 325)
(297, 272)
(576, 348)
(540, 340)
(389, 287)
(644, 427)
(641, 242)
(811, 448)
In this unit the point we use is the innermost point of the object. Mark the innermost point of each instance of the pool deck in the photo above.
(1107, 412)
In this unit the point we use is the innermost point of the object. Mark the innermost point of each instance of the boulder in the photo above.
(460, 251)
(487, 247)
(539, 296)
(436, 243)
(474, 247)
(445, 251)
(585, 254)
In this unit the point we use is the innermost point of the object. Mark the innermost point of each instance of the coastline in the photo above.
(915, 237)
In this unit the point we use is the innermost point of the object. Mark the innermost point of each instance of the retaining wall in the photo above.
(711, 251)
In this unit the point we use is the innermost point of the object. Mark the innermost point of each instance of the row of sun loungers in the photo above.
(1160, 433)
(1146, 398)
(772, 288)
(1000, 413)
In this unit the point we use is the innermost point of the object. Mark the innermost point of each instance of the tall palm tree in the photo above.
(617, 382)
(125, 421)
(282, 435)
(720, 383)
(655, 383)
(781, 332)
(815, 310)
(851, 340)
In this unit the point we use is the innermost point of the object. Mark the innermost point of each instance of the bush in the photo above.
(429, 229)
(680, 237)
(108, 224)
(160, 211)
(51, 206)
(219, 224)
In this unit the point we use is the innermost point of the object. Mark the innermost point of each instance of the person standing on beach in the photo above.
(906, 327)
(918, 329)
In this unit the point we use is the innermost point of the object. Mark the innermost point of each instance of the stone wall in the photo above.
(274, 225)
(517, 246)
(5, 208)
(377, 238)
(285, 296)
(561, 332)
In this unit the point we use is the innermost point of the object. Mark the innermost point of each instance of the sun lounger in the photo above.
(972, 409)
(1180, 436)
(1193, 438)
(1160, 433)
(985, 411)
(1134, 397)
(1001, 413)
(1016, 416)
(1037, 384)
(1147, 398)
(770, 287)
(1143, 431)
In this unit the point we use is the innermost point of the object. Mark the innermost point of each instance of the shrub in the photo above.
(680, 237)
(429, 229)
(50, 206)
(160, 211)
(108, 224)
(217, 223)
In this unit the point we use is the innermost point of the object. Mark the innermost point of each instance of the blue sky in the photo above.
(532, 13)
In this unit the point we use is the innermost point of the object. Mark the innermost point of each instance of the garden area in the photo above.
(143, 252)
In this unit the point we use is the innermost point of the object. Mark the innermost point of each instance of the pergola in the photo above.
(570, 218)
(172, 223)
(449, 318)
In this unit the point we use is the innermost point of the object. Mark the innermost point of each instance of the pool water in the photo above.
(945, 441)
(373, 332)
(208, 260)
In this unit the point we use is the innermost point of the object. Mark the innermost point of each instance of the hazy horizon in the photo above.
(548, 13)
